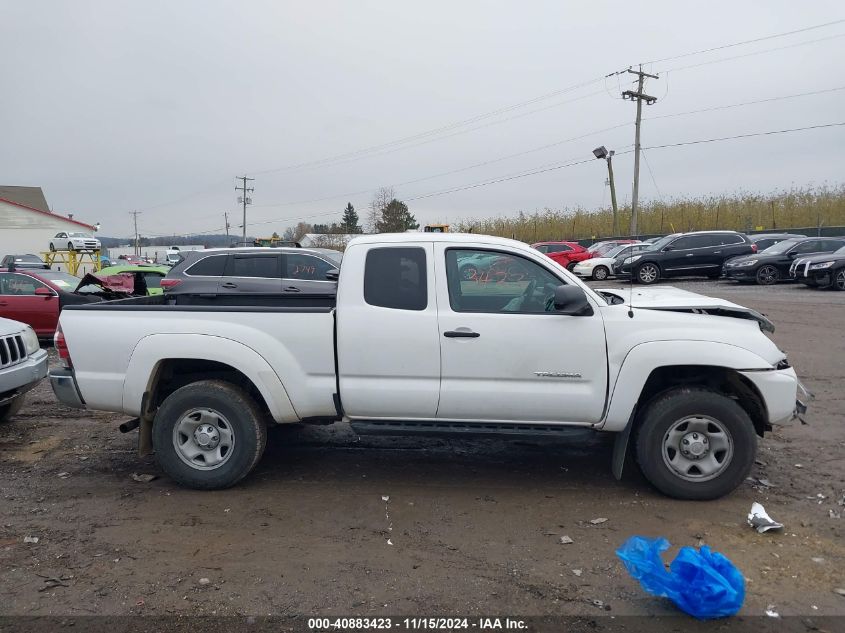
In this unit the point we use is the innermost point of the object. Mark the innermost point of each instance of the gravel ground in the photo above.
(331, 523)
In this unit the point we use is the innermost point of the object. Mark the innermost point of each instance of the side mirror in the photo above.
(572, 301)
(669, 248)
(43, 292)
(333, 274)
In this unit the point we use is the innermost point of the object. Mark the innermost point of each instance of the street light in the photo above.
(602, 154)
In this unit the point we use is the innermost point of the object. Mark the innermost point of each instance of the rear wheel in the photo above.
(10, 409)
(209, 434)
(695, 444)
(767, 275)
(571, 265)
(648, 273)
(600, 273)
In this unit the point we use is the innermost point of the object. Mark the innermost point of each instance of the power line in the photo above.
(752, 54)
(752, 41)
(738, 136)
(651, 173)
(744, 103)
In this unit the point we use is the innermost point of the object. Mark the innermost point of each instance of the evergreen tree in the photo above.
(349, 224)
(395, 218)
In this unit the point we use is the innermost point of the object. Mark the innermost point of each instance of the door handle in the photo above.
(292, 289)
(461, 334)
(717, 252)
(690, 254)
(229, 284)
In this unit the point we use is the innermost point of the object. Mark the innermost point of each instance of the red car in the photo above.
(36, 297)
(564, 253)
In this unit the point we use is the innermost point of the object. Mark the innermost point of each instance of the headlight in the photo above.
(821, 266)
(747, 262)
(30, 341)
(630, 260)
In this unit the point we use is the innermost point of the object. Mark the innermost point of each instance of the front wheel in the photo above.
(839, 280)
(10, 409)
(52, 248)
(648, 273)
(767, 275)
(600, 273)
(208, 435)
(695, 444)
(70, 246)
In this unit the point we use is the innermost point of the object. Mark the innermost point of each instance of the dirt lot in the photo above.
(470, 527)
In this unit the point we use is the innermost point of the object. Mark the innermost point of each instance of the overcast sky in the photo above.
(112, 106)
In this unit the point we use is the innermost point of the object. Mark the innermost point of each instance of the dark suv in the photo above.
(254, 271)
(689, 254)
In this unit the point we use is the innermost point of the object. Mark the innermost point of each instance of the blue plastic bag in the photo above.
(702, 583)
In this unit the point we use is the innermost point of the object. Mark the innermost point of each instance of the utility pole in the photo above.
(245, 199)
(639, 96)
(134, 215)
(226, 221)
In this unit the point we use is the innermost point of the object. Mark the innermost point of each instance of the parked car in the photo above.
(132, 280)
(821, 271)
(772, 265)
(65, 241)
(132, 260)
(567, 254)
(24, 261)
(701, 253)
(764, 240)
(36, 297)
(22, 365)
(411, 347)
(601, 267)
(257, 271)
(601, 249)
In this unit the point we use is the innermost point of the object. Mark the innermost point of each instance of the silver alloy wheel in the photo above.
(203, 439)
(600, 273)
(697, 448)
(767, 275)
(839, 280)
(648, 273)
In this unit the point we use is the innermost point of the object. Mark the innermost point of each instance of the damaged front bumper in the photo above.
(801, 405)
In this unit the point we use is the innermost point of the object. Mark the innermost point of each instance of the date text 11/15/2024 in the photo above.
(416, 624)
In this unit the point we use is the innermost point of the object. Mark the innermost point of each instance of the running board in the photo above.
(468, 429)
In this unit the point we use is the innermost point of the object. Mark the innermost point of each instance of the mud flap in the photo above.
(145, 437)
(620, 449)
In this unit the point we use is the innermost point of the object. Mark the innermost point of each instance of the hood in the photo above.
(823, 257)
(595, 261)
(676, 300)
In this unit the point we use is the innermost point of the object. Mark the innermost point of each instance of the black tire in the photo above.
(600, 273)
(837, 281)
(52, 248)
(70, 246)
(243, 418)
(10, 409)
(665, 412)
(767, 275)
(571, 265)
(715, 275)
(647, 273)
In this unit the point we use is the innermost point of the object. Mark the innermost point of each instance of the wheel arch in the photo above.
(162, 363)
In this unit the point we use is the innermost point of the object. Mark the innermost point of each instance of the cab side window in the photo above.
(492, 281)
(264, 266)
(395, 277)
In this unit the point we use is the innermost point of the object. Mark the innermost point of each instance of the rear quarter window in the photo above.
(211, 266)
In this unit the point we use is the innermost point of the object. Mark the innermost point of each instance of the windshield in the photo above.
(840, 251)
(65, 281)
(76, 235)
(601, 250)
(28, 258)
(618, 250)
(780, 247)
(663, 241)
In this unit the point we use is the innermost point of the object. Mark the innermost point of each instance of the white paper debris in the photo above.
(389, 542)
(577, 572)
(760, 520)
(385, 498)
(30, 539)
(770, 611)
(598, 521)
(565, 540)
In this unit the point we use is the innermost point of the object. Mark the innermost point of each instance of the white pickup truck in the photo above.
(412, 343)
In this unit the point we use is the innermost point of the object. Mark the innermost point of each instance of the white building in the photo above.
(27, 224)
